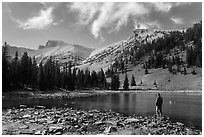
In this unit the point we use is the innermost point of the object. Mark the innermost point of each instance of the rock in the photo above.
(36, 113)
(38, 133)
(110, 129)
(51, 121)
(83, 128)
(152, 124)
(179, 124)
(27, 132)
(90, 115)
(120, 123)
(98, 123)
(44, 132)
(31, 121)
(54, 129)
(79, 112)
(23, 127)
(132, 120)
(9, 111)
(27, 116)
(189, 131)
(77, 126)
(22, 106)
(58, 133)
(92, 128)
(57, 116)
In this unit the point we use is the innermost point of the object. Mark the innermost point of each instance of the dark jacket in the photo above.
(159, 101)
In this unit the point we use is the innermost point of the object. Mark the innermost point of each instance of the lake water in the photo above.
(178, 106)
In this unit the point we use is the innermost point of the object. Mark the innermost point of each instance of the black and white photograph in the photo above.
(101, 68)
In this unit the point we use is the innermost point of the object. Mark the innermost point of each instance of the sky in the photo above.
(91, 24)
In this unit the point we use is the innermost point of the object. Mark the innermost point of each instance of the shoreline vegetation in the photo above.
(68, 121)
(84, 93)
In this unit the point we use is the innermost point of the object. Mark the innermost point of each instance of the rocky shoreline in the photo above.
(40, 120)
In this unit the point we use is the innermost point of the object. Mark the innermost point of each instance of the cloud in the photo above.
(177, 20)
(112, 16)
(42, 20)
(162, 6)
(147, 25)
(104, 15)
(86, 11)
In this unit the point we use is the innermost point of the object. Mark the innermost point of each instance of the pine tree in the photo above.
(126, 83)
(15, 71)
(169, 66)
(87, 78)
(5, 68)
(115, 82)
(25, 69)
(102, 79)
(146, 71)
(185, 72)
(78, 79)
(94, 79)
(58, 81)
(189, 56)
(73, 78)
(41, 77)
(133, 83)
(34, 74)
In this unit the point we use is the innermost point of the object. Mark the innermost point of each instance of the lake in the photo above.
(178, 106)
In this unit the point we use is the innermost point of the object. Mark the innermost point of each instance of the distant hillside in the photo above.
(106, 56)
(60, 51)
(12, 50)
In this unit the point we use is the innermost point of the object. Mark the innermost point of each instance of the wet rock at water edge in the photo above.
(58, 133)
(40, 107)
(38, 133)
(179, 124)
(23, 106)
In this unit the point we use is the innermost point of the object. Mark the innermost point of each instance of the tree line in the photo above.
(24, 72)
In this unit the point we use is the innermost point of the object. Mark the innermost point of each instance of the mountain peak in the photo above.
(54, 43)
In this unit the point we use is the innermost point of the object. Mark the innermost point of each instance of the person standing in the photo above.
(158, 103)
